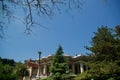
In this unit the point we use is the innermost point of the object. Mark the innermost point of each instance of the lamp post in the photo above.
(39, 53)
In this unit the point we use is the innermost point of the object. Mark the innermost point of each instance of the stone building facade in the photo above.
(75, 65)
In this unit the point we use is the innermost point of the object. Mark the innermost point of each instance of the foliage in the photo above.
(83, 76)
(103, 63)
(6, 71)
(10, 70)
(103, 70)
(10, 62)
(59, 67)
(48, 78)
(21, 70)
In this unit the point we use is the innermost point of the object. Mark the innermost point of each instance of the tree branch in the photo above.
(44, 7)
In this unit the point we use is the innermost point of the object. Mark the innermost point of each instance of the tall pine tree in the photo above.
(59, 67)
(104, 62)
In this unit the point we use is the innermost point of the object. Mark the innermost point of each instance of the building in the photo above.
(75, 65)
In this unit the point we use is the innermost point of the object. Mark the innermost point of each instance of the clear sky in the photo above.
(72, 31)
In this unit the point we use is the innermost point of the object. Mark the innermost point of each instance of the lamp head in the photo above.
(39, 52)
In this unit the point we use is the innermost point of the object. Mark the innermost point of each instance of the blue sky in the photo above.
(71, 30)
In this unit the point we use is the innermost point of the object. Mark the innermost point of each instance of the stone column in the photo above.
(86, 68)
(30, 73)
(44, 69)
(38, 73)
(41, 70)
(81, 67)
(73, 68)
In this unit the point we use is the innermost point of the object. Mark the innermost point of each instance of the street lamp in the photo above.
(39, 53)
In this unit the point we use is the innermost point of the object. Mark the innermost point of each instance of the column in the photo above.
(44, 69)
(81, 67)
(73, 68)
(38, 73)
(78, 68)
(86, 68)
(41, 69)
(30, 72)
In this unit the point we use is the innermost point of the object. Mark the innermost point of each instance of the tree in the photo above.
(32, 8)
(103, 63)
(6, 69)
(59, 67)
(11, 70)
(103, 45)
(21, 70)
(6, 61)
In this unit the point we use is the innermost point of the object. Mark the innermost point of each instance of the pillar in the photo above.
(30, 73)
(73, 68)
(44, 69)
(38, 73)
(81, 67)
(86, 68)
